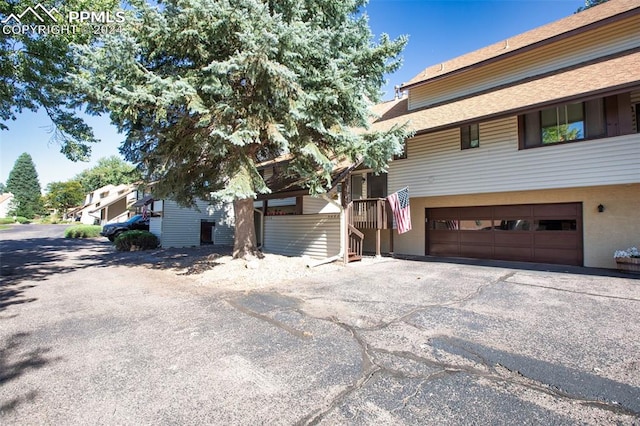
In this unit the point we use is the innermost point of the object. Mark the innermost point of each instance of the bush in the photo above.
(136, 240)
(23, 220)
(82, 231)
(6, 220)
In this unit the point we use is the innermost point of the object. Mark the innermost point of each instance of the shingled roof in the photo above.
(603, 76)
(536, 37)
(283, 186)
(598, 76)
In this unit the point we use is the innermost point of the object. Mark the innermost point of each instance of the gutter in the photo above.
(343, 236)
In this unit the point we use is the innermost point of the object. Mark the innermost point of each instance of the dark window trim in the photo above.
(612, 104)
(583, 97)
(404, 155)
(465, 136)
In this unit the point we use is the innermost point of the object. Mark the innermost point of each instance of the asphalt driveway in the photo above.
(90, 337)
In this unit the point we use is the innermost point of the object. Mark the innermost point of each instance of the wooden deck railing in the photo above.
(355, 239)
(370, 213)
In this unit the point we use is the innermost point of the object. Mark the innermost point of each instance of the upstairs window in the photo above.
(470, 136)
(592, 119)
(562, 124)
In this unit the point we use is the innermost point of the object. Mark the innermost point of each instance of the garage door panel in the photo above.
(513, 239)
(477, 251)
(475, 212)
(444, 237)
(443, 213)
(561, 256)
(549, 233)
(565, 240)
(555, 210)
(512, 211)
(476, 237)
(438, 249)
(512, 253)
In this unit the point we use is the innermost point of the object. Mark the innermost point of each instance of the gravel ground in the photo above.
(213, 266)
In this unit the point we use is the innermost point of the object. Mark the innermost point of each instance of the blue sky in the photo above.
(438, 30)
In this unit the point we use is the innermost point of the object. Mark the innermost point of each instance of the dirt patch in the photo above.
(213, 266)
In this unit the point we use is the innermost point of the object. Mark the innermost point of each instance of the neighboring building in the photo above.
(528, 149)
(110, 203)
(177, 226)
(288, 221)
(5, 203)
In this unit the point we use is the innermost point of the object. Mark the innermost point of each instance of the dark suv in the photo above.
(112, 230)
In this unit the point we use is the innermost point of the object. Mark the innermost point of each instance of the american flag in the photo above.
(399, 202)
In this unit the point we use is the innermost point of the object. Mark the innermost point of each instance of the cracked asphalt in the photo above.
(91, 338)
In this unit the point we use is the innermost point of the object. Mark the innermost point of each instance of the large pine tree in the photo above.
(24, 185)
(206, 89)
(34, 69)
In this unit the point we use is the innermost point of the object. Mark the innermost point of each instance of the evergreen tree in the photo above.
(34, 68)
(206, 89)
(108, 171)
(23, 184)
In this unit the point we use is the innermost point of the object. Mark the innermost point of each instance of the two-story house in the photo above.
(528, 149)
(110, 203)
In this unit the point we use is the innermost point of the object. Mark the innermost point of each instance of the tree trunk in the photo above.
(244, 244)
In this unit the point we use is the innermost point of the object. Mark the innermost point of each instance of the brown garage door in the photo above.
(546, 233)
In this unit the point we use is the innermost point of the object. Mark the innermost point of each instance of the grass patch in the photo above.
(83, 231)
(6, 220)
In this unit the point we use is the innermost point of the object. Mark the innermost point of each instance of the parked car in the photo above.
(112, 230)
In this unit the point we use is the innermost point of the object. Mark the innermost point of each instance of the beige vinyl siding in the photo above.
(180, 227)
(315, 235)
(313, 205)
(564, 53)
(155, 226)
(436, 165)
(222, 214)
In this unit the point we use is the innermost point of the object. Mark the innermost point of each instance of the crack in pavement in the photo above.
(489, 359)
(585, 293)
(295, 332)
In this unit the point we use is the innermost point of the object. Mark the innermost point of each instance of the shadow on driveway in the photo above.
(561, 380)
(16, 361)
(543, 267)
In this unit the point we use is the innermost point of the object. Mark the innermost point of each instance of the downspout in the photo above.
(261, 246)
(343, 237)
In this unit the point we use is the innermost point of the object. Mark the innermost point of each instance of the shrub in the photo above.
(136, 240)
(82, 231)
(6, 220)
(23, 220)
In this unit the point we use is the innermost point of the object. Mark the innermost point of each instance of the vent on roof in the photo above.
(506, 44)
